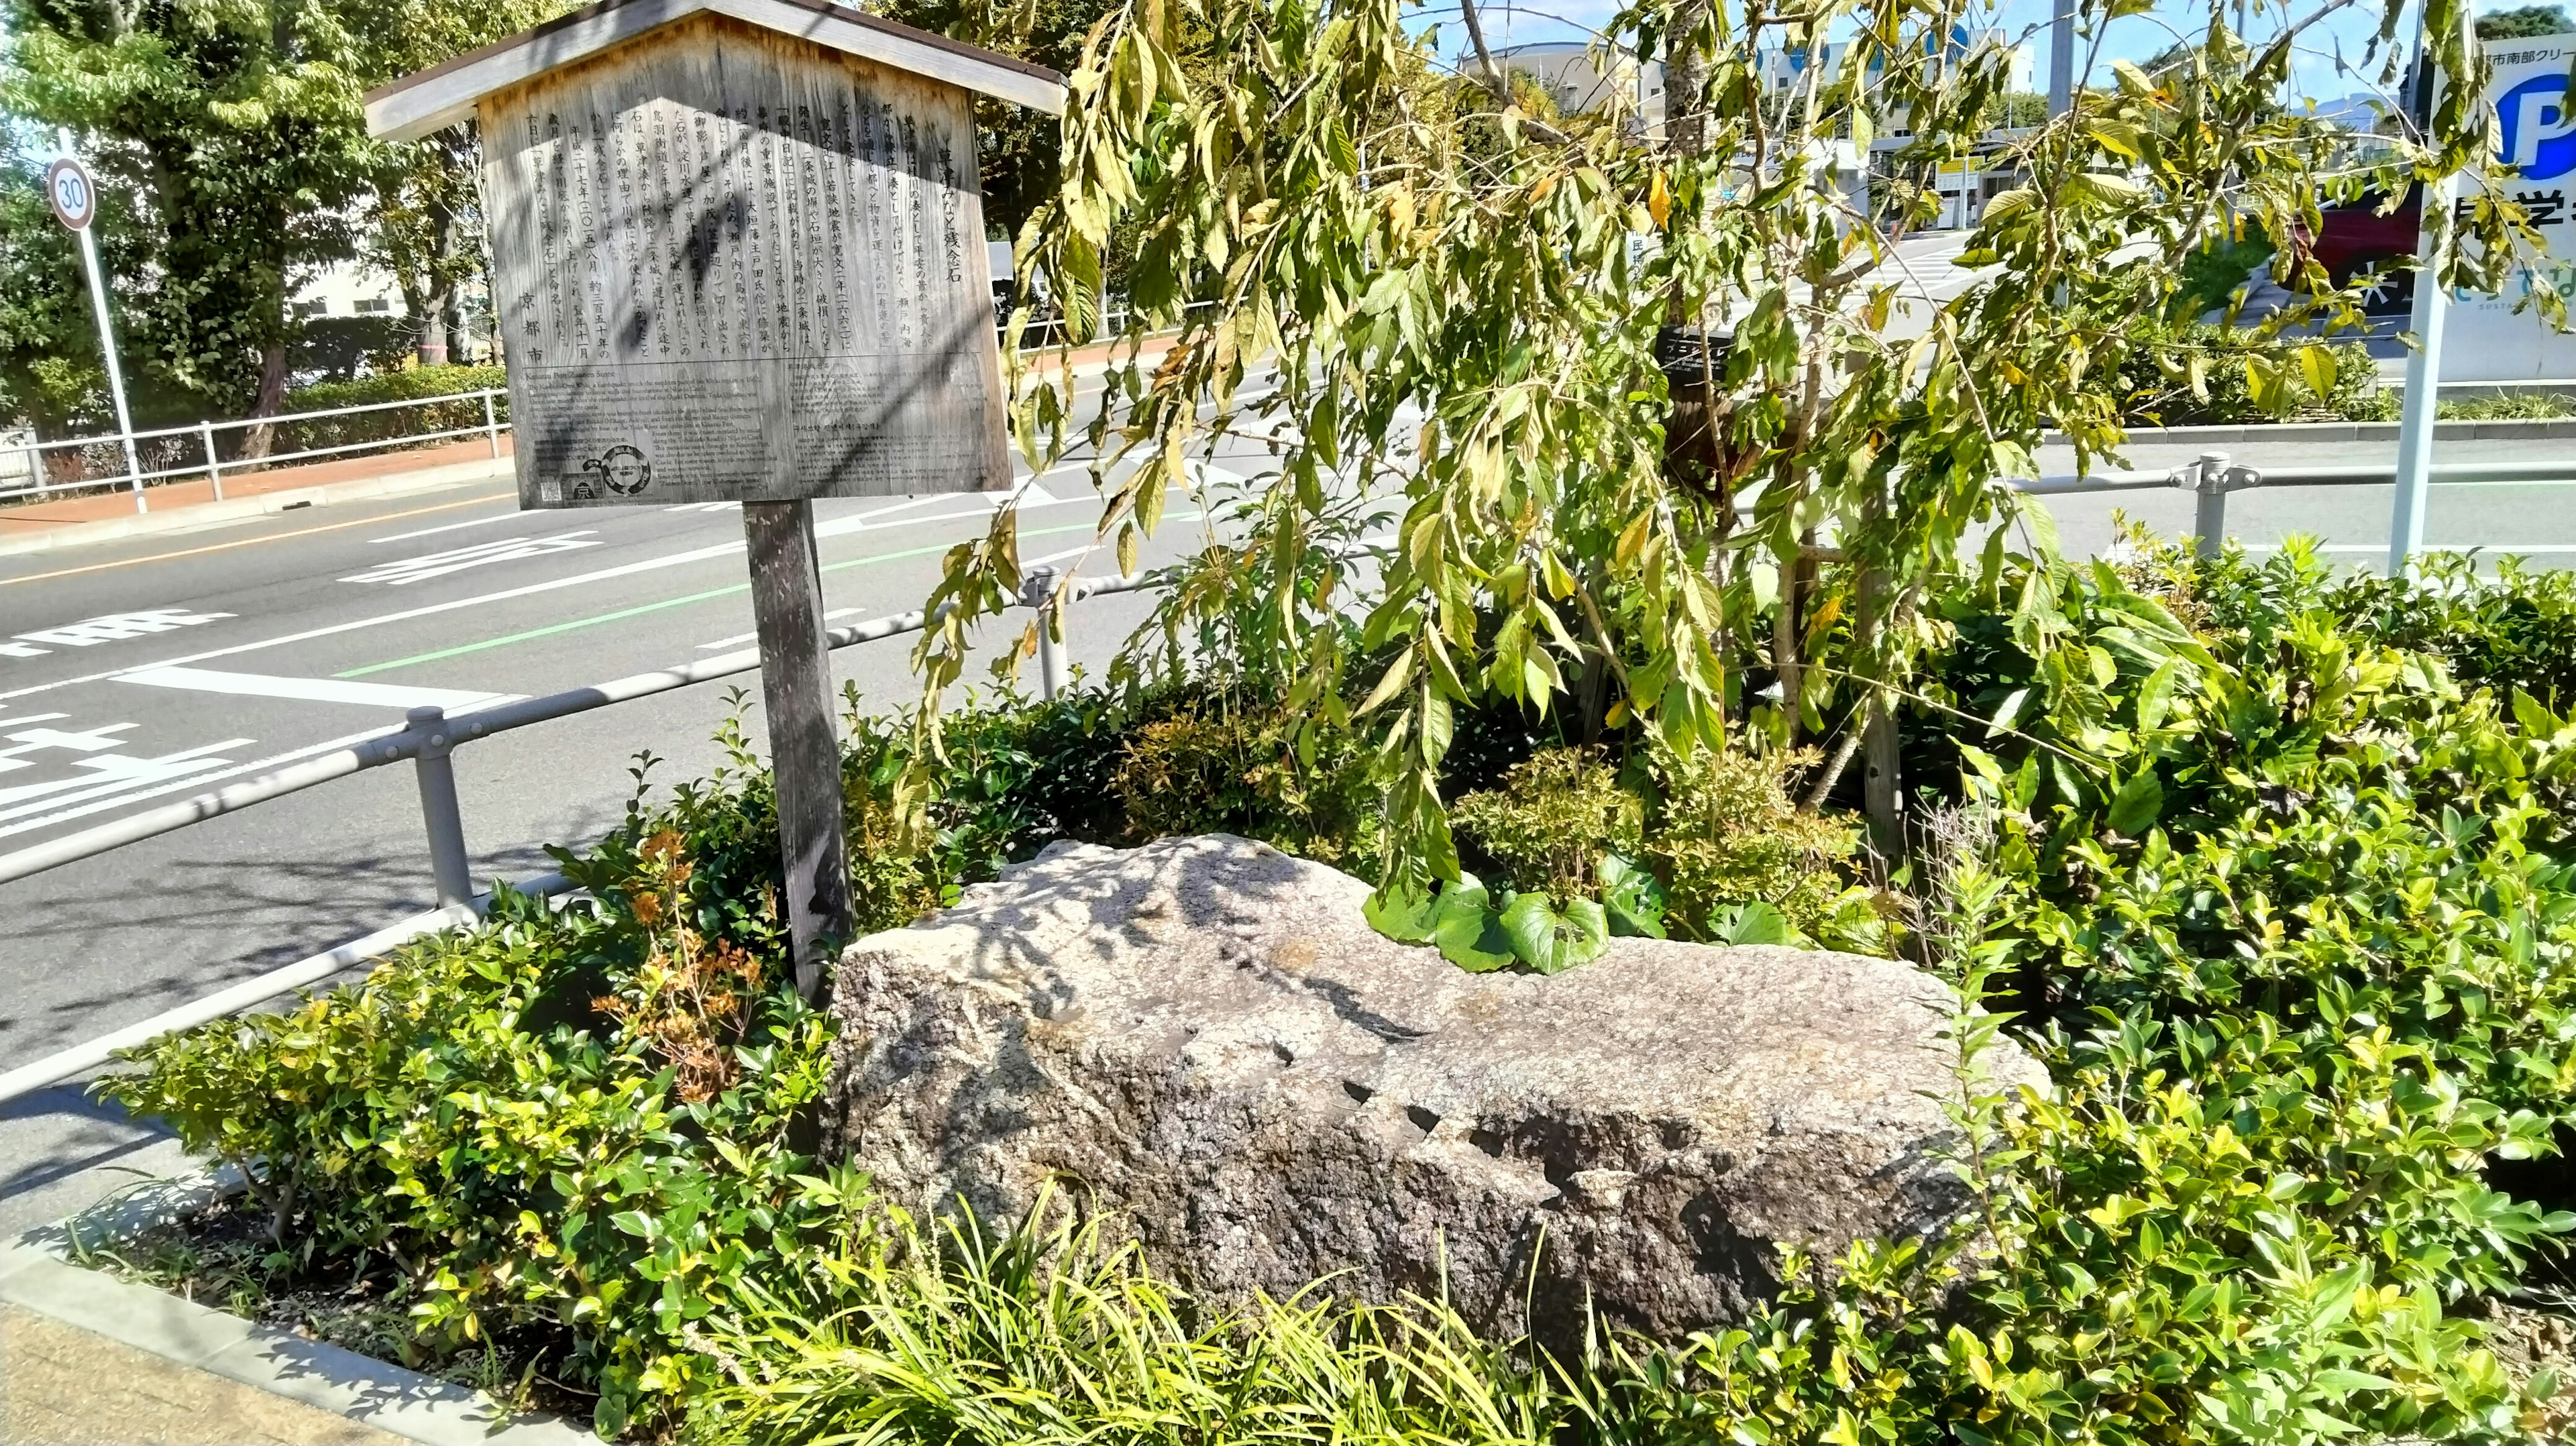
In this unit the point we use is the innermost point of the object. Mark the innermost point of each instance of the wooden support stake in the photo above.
(804, 743)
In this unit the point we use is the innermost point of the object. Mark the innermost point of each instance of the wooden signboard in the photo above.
(773, 289)
(738, 255)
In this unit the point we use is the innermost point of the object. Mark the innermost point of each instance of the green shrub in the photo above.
(390, 386)
(2209, 375)
(2286, 909)
(1205, 762)
(2544, 407)
(1550, 825)
(1728, 842)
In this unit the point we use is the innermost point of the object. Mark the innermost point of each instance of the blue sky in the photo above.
(2131, 38)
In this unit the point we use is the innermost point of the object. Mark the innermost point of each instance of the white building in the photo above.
(349, 288)
(1576, 82)
(1788, 65)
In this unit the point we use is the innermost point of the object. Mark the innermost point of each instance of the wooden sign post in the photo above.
(738, 255)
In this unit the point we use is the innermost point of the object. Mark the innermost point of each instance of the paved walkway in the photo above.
(63, 1386)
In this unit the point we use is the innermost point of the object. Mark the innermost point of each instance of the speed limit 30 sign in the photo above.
(72, 194)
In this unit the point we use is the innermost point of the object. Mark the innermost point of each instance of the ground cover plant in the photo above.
(2286, 907)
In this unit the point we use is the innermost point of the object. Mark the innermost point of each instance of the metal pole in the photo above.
(2209, 518)
(438, 810)
(2061, 60)
(2422, 405)
(214, 473)
(1037, 589)
(491, 424)
(107, 346)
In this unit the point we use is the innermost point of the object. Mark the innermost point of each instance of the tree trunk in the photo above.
(1690, 444)
(272, 399)
(432, 349)
(1882, 788)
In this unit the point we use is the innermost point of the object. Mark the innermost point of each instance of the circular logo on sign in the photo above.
(72, 194)
(622, 469)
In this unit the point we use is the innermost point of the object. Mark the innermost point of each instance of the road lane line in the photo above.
(313, 690)
(250, 541)
(621, 614)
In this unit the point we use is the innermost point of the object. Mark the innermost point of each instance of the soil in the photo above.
(223, 1257)
(2528, 1340)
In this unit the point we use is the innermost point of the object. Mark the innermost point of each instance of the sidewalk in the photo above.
(186, 505)
(63, 1386)
(87, 1359)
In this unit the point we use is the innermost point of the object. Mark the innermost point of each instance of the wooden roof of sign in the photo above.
(445, 94)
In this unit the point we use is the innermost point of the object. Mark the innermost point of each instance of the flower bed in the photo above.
(2276, 871)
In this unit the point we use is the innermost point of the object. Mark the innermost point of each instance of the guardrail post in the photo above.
(438, 810)
(1037, 589)
(2209, 519)
(214, 474)
(491, 424)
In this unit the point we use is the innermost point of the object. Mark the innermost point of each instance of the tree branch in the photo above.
(1497, 82)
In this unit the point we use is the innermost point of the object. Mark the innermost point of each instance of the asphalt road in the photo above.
(139, 672)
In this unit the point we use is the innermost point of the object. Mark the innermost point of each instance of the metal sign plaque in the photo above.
(732, 266)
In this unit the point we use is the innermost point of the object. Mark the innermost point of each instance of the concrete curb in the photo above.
(243, 509)
(36, 1274)
(2521, 429)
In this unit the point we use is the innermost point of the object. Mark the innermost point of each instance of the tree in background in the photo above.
(1472, 347)
(425, 220)
(50, 374)
(234, 133)
(1019, 146)
(2526, 21)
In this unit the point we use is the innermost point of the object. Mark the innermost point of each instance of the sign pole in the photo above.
(98, 306)
(2061, 59)
(804, 745)
(2422, 403)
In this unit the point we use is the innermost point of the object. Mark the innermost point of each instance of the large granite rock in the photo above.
(1205, 1035)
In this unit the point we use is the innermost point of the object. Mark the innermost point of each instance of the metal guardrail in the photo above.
(2213, 476)
(430, 737)
(211, 465)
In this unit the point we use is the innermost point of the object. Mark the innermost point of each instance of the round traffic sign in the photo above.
(72, 194)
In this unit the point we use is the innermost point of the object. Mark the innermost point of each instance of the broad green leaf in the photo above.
(1550, 941)
(1632, 898)
(2135, 807)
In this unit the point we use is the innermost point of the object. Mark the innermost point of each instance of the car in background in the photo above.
(2355, 241)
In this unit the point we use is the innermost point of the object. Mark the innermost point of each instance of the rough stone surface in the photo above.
(1204, 1035)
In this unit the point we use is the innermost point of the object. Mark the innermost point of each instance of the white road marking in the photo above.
(740, 639)
(583, 579)
(1085, 550)
(450, 527)
(705, 507)
(313, 690)
(405, 571)
(111, 779)
(114, 627)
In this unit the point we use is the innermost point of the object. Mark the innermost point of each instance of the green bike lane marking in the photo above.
(639, 609)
